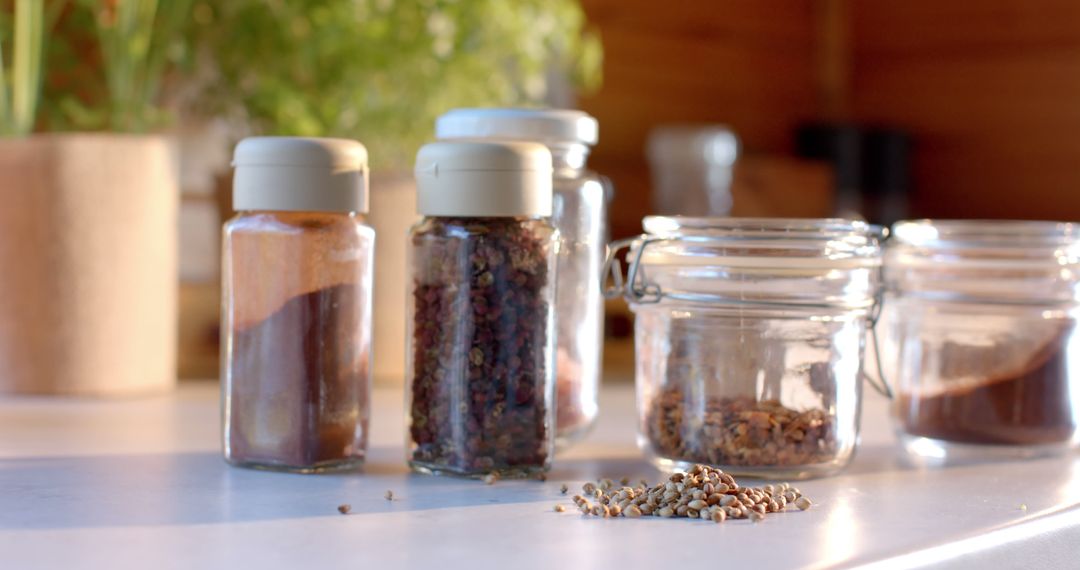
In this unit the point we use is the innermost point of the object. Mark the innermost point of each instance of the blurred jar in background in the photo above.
(692, 169)
(579, 213)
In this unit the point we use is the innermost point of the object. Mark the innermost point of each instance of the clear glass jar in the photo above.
(979, 328)
(296, 307)
(692, 168)
(749, 341)
(579, 214)
(481, 329)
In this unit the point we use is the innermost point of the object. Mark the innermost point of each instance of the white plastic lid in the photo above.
(548, 126)
(713, 145)
(482, 179)
(300, 174)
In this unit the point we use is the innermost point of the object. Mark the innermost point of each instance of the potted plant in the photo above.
(381, 71)
(87, 226)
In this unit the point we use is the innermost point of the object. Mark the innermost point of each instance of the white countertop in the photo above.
(141, 484)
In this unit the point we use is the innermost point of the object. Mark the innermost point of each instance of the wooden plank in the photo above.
(745, 63)
(989, 89)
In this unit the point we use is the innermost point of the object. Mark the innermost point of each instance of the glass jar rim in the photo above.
(947, 233)
(762, 242)
(795, 228)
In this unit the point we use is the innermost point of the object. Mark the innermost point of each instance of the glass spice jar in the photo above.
(749, 340)
(980, 325)
(579, 213)
(481, 329)
(296, 306)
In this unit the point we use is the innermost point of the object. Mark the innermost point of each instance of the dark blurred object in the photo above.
(871, 167)
(887, 171)
(691, 168)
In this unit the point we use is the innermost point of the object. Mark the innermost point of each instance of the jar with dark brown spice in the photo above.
(296, 306)
(481, 325)
(749, 341)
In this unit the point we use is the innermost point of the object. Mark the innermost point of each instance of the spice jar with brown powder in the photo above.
(980, 330)
(296, 306)
(481, 318)
(749, 340)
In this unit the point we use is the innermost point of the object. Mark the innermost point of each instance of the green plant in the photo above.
(382, 70)
(22, 27)
(377, 70)
(109, 63)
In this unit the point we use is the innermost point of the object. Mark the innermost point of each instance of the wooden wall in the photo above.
(991, 91)
(746, 63)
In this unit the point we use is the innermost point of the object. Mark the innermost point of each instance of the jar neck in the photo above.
(568, 159)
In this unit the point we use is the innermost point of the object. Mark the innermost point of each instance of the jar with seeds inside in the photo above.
(749, 341)
(481, 354)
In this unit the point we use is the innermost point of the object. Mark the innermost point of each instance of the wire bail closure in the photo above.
(636, 289)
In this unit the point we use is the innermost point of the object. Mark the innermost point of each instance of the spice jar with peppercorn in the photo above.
(579, 213)
(481, 316)
(749, 340)
(980, 326)
(296, 306)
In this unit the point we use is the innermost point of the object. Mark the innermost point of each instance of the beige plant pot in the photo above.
(88, 264)
(393, 211)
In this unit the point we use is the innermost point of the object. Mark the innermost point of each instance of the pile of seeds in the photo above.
(739, 432)
(703, 492)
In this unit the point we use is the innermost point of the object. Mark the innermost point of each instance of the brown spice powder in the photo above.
(300, 383)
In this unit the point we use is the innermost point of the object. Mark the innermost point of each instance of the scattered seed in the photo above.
(542, 477)
(1023, 506)
(389, 495)
(702, 492)
(624, 481)
(564, 489)
(490, 479)
(344, 509)
(560, 509)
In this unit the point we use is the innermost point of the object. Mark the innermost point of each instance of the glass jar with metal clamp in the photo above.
(749, 340)
(980, 336)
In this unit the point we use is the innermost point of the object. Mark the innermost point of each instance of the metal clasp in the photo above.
(633, 287)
